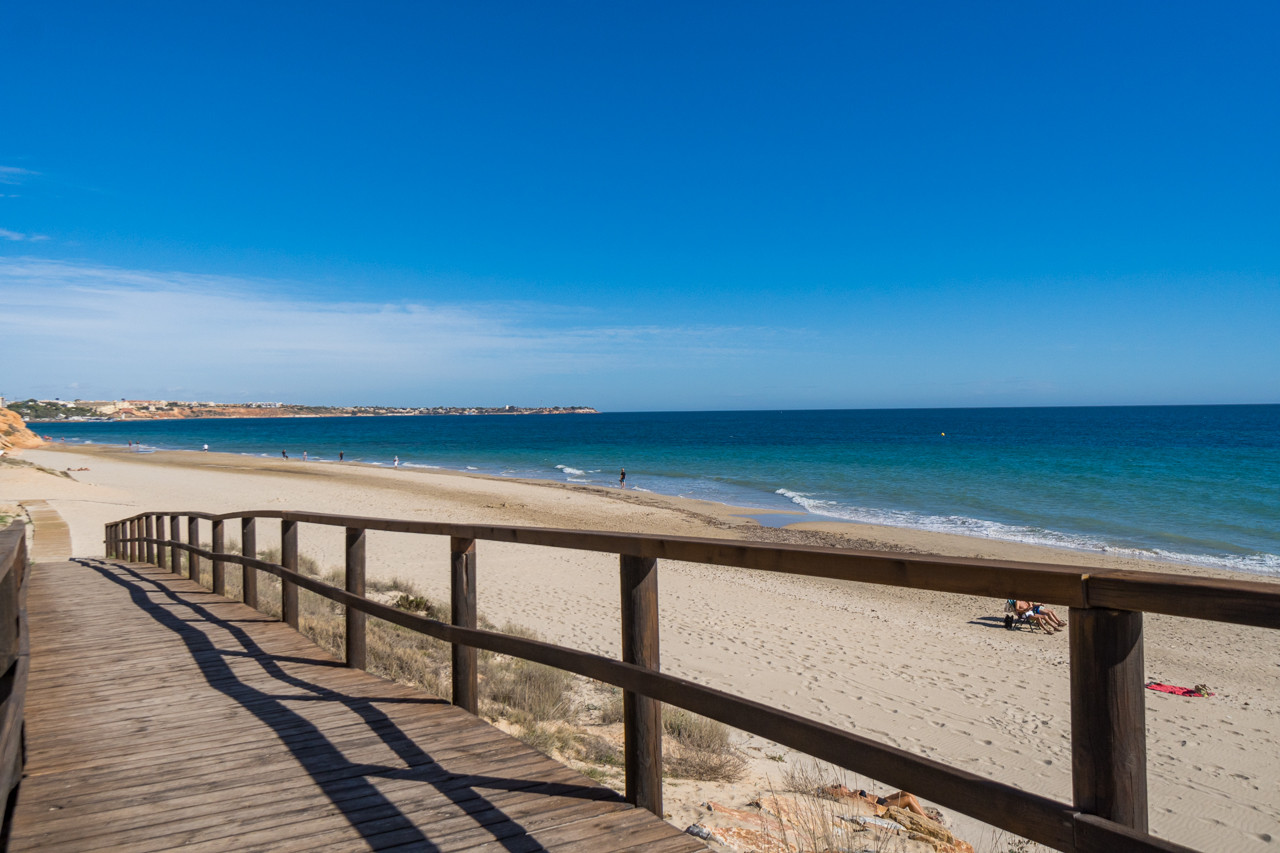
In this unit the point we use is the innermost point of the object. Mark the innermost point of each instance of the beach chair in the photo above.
(1014, 620)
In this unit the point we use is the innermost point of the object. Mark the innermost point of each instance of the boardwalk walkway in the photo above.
(162, 716)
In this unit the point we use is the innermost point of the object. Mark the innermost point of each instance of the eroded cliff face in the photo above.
(14, 432)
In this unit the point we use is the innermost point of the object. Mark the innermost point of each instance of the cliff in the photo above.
(14, 432)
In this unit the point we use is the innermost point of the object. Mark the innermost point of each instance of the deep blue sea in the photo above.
(1199, 484)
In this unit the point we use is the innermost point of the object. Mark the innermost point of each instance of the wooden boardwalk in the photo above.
(162, 716)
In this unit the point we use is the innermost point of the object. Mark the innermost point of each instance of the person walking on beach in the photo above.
(622, 479)
(284, 454)
(339, 455)
(396, 463)
(304, 456)
(206, 448)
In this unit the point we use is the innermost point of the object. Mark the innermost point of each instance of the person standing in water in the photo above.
(396, 464)
(339, 455)
(622, 479)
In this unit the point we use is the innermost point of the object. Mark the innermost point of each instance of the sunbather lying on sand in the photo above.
(899, 799)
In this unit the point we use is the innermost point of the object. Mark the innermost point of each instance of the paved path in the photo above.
(162, 716)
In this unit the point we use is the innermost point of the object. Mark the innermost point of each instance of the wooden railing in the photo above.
(14, 663)
(1108, 738)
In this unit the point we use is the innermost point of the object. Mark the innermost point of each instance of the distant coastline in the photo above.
(57, 411)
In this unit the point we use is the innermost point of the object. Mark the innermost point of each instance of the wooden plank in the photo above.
(989, 578)
(1241, 602)
(15, 657)
(156, 729)
(159, 804)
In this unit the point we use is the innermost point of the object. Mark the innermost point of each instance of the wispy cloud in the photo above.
(115, 330)
(15, 175)
(19, 237)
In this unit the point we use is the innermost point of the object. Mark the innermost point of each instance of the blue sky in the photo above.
(641, 205)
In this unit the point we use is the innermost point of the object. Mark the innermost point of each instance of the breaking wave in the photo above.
(1268, 564)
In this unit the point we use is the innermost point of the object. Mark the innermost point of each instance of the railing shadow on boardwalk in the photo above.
(314, 752)
(1108, 811)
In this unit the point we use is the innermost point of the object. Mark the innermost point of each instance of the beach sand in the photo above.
(931, 673)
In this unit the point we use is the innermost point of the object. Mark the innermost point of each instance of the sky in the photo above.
(641, 206)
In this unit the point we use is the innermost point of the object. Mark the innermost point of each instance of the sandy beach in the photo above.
(931, 673)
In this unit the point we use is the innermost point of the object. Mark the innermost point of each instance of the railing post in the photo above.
(642, 716)
(219, 567)
(249, 547)
(151, 535)
(110, 545)
(162, 553)
(1108, 719)
(355, 586)
(462, 606)
(193, 539)
(175, 533)
(289, 559)
(131, 547)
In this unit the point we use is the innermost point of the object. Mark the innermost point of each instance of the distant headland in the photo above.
(128, 410)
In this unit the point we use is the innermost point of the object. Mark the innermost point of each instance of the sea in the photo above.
(1193, 484)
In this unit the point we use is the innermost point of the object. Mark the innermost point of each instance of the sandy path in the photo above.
(930, 673)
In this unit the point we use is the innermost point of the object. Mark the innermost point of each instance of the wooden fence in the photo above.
(14, 664)
(1108, 738)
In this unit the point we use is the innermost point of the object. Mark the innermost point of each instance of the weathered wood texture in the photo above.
(14, 658)
(1109, 781)
(249, 547)
(219, 567)
(1108, 716)
(462, 601)
(175, 534)
(289, 559)
(642, 714)
(168, 717)
(1242, 602)
(356, 655)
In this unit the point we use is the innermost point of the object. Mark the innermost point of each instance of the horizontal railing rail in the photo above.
(15, 664)
(1109, 808)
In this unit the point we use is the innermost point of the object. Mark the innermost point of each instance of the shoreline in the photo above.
(808, 528)
(933, 673)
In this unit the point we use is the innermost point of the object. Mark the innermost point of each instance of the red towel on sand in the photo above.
(1177, 691)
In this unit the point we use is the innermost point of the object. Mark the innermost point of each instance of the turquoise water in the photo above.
(1199, 484)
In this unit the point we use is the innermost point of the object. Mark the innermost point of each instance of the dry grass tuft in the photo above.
(699, 748)
(528, 691)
